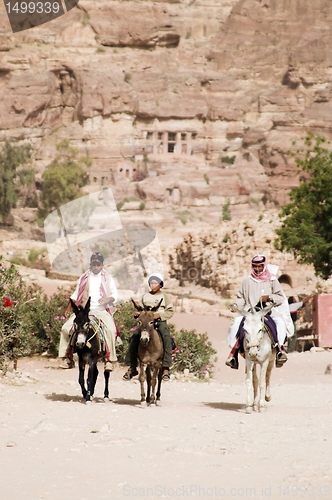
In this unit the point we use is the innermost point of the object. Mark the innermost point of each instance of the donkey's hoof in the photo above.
(267, 398)
(88, 401)
(249, 409)
(106, 399)
(144, 404)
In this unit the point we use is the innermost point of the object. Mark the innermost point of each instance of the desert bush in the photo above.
(30, 321)
(228, 159)
(194, 352)
(126, 324)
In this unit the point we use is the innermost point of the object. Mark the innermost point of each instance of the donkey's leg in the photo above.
(148, 382)
(81, 377)
(107, 378)
(262, 384)
(154, 371)
(141, 378)
(249, 384)
(160, 377)
(256, 388)
(92, 377)
(268, 378)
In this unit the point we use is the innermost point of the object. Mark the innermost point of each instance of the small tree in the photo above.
(11, 157)
(306, 229)
(63, 178)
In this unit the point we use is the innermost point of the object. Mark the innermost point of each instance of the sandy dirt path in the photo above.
(199, 443)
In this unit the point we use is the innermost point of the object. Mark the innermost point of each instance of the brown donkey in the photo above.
(150, 354)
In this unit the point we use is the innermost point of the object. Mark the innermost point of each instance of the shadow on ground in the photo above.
(225, 406)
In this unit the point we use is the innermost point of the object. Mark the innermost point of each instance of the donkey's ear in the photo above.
(74, 306)
(87, 306)
(138, 307)
(155, 308)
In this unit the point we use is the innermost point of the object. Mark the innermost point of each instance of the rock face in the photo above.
(208, 97)
(219, 259)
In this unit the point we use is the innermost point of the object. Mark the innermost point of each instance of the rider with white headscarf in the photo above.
(164, 312)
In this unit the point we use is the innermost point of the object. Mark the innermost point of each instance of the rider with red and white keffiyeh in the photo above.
(99, 285)
(260, 287)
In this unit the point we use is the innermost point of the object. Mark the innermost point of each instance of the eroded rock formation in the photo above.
(208, 97)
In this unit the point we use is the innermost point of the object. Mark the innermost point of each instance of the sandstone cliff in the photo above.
(203, 98)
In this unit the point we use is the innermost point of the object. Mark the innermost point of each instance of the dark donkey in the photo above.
(86, 343)
(150, 353)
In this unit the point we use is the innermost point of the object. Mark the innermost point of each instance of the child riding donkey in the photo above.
(164, 312)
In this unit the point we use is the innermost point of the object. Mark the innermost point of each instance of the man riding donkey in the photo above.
(258, 289)
(99, 285)
(164, 312)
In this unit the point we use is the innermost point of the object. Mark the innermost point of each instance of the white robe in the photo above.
(249, 295)
(92, 290)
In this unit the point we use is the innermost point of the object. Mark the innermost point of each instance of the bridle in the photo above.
(259, 336)
(82, 333)
(145, 339)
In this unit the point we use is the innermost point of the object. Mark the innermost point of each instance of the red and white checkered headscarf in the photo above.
(265, 275)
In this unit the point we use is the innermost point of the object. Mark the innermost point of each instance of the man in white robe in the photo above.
(100, 286)
(259, 287)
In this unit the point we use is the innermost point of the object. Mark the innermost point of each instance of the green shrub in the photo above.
(126, 323)
(228, 159)
(194, 351)
(32, 324)
(184, 216)
(34, 254)
(226, 212)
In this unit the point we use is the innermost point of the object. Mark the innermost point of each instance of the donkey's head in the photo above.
(146, 321)
(254, 328)
(81, 323)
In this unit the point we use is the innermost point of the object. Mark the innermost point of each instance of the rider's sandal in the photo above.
(166, 376)
(281, 359)
(130, 374)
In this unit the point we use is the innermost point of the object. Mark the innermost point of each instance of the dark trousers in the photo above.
(131, 356)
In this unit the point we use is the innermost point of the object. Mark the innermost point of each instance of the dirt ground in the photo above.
(199, 443)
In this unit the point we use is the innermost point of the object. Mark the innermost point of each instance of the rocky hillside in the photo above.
(184, 106)
(185, 85)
